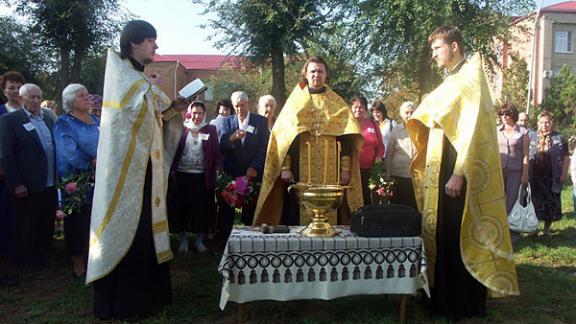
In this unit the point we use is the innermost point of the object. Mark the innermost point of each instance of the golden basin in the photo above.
(319, 199)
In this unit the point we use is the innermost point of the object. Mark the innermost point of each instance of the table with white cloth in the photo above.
(257, 266)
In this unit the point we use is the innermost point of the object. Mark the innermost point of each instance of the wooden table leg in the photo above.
(403, 301)
(240, 313)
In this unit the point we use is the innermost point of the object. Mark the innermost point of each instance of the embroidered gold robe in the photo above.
(461, 109)
(305, 113)
(133, 133)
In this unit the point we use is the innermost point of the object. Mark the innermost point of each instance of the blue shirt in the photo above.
(47, 142)
(76, 144)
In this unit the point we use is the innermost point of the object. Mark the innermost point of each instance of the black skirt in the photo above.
(456, 294)
(194, 203)
(77, 230)
(138, 284)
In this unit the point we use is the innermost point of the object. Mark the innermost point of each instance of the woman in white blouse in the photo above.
(399, 155)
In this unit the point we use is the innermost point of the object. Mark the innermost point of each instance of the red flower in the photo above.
(71, 187)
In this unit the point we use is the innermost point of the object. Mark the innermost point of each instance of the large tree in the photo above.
(73, 28)
(267, 30)
(394, 32)
(560, 100)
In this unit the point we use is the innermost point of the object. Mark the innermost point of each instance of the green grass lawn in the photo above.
(546, 270)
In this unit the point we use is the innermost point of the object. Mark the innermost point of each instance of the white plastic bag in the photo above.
(523, 219)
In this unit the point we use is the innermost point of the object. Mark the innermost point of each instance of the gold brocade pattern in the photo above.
(130, 137)
(326, 114)
(320, 146)
(461, 108)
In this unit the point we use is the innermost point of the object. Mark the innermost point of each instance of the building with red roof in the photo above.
(176, 71)
(549, 38)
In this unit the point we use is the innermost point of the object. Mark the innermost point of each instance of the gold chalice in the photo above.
(319, 199)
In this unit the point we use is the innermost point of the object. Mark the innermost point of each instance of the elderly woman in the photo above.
(514, 144)
(76, 134)
(373, 148)
(380, 116)
(550, 171)
(399, 155)
(267, 108)
(195, 165)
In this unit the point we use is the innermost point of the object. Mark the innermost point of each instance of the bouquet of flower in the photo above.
(239, 192)
(381, 184)
(75, 189)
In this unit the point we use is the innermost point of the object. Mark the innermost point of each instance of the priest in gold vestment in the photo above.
(459, 188)
(139, 132)
(313, 126)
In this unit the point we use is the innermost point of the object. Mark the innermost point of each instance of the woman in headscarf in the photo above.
(550, 170)
(195, 165)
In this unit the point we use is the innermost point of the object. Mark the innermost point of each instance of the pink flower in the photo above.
(242, 185)
(71, 187)
(381, 192)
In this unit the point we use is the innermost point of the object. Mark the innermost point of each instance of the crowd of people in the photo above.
(118, 238)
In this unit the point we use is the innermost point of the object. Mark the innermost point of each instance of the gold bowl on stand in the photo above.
(319, 199)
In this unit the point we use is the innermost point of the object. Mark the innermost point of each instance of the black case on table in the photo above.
(392, 220)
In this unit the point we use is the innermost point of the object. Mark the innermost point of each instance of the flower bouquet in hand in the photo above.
(381, 184)
(239, 192)
(75, 189)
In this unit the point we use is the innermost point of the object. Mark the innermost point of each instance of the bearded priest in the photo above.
(304, 146)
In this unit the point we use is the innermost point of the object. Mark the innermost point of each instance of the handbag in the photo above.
(392, 220)
(523, 219)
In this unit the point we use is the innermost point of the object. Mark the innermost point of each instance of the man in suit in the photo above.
(243, 143)
(28, 159)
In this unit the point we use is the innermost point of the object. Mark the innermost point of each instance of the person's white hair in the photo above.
(407, 104)
(69, 94)
(262, 103)
(239, 96)
(27, 87)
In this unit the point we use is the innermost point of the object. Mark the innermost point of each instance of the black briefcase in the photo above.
(392, 220)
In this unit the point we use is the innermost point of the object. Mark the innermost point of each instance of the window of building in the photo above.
(563, 42)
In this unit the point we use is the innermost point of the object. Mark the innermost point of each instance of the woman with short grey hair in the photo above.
(76, 133)
(267, 108)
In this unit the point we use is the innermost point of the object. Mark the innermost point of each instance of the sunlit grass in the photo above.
(546, 269)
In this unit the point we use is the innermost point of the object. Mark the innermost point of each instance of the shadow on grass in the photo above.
(546, 270)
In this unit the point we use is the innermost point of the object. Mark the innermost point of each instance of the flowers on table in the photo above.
(239, 192)
(75, 189)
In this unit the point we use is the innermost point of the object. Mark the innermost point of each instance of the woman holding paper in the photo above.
(195, 165)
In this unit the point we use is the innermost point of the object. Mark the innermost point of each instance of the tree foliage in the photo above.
(20, 51)
(73, 28)
(267, 30)
(348, 74)
(560, 100)
(395, 32)
(516, 83)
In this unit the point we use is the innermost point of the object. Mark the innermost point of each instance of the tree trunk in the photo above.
(425, 73)
(64, 67)
(77, 66)
(278, 82)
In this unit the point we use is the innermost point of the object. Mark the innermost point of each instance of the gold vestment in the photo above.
(461, 109)
(326, 114)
